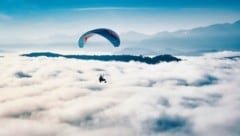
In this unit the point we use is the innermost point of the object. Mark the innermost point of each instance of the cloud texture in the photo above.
(58, 96)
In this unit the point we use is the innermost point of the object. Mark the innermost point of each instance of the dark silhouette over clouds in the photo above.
(122, 58)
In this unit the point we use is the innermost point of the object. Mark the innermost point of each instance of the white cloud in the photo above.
(197, 96)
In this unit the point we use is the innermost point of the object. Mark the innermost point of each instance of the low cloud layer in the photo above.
(59, 96)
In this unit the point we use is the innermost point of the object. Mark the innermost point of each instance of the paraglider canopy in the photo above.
(109, 34)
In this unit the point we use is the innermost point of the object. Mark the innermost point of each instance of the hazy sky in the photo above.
(28, 21)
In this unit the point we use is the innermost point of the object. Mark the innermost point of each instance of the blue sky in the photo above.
(21, 5)
(42, 7)
(29, 21)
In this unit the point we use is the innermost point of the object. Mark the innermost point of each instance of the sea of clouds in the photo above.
(57, 96)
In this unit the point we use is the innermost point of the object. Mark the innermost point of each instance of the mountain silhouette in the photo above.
(121, 58)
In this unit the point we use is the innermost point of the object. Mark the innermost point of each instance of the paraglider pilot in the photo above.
(102, 79)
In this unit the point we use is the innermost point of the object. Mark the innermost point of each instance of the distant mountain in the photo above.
(0, 54)
(210, 38)
(137, 51)
(121, 58)
(132, 36)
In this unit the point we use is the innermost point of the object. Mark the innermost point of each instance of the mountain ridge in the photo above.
(213, 37)
(120, 58)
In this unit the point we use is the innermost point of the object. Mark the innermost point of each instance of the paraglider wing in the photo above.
(106, 33)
